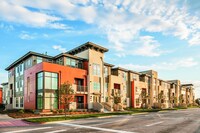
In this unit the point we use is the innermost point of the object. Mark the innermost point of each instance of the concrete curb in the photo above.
(140, 113)
(54, 122)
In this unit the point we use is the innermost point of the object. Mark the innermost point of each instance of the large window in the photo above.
(106, 87)
(51, 81)
(70, 62)
(96, 86)
(60, 61)
(21, 102)
(47, 85)
(105, 71)
(74, 63)
(51, 101)
(124, 76)
(40, 81)
(39, 100)
(17, 102)
(38, 60)
(96, 69)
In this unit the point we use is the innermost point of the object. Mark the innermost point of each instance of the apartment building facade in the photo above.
(34, 80)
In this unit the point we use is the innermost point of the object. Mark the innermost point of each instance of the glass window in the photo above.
(21, 102)
(38, 60)
(105, 71)
(48, 74)
(73, 63)
(40, 101)
(96, 86)
(40, 74)
(47, 82)
(54, 83)
(40, 81)
(96, 69)
(124, 75)
(106, 87)
(54, 75)
(68, 61)
(49, 99)
(17, 102)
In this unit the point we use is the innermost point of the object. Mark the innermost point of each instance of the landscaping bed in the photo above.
(72, 117)
(27, 114)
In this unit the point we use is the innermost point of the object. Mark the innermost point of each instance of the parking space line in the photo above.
(56, 131)
(95, 128)
(154, 123)
(27, 130)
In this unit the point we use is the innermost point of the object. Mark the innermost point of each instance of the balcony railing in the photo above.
(80, 89)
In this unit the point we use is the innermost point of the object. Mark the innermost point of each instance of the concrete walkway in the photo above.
(6, 121)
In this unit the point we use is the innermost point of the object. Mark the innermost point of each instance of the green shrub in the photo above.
(21, 111)
(61, 110)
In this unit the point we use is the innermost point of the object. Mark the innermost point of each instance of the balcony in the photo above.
(78, 89)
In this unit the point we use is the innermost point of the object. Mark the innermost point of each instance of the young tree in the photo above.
(116, 97)
(181, 98)
(66, 95)
(143, 97)
(173, 100)
(160, 98)
(197, 101)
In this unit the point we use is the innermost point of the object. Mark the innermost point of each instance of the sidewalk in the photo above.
(6, 121)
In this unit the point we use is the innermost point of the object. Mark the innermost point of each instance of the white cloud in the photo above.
(6, 27)
(60, 48)
(122, 21)
(150, 47)
(195, 40)
(26, 36)
(20, 14)
(173, 65)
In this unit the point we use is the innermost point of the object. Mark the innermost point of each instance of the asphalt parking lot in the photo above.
(181, 121)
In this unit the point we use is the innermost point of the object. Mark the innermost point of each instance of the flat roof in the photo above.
(187, 85)
(26, 56)
(120, 68)
(86, 46)
(107, 64)
(134, 72)
(4, 84)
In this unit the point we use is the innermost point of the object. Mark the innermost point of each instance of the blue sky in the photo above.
(156, 34)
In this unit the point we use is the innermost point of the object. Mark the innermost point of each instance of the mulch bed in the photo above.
(28, 114)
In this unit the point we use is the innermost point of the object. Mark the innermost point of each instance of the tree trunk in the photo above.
(65, 112)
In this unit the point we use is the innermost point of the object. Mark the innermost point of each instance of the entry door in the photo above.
(96, 99)
(80, 99)
(80, 102)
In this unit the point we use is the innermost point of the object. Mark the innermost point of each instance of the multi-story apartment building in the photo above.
(7, 95)
(34, 80)
(187, 91)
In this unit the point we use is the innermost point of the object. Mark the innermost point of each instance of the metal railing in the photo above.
(81, 106)
(81, 88)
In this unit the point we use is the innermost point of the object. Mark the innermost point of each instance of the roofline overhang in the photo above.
(68, 55)
(85, 46)
(26, 56)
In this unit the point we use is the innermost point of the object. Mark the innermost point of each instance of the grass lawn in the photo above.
(50, 119)
(72, 117)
